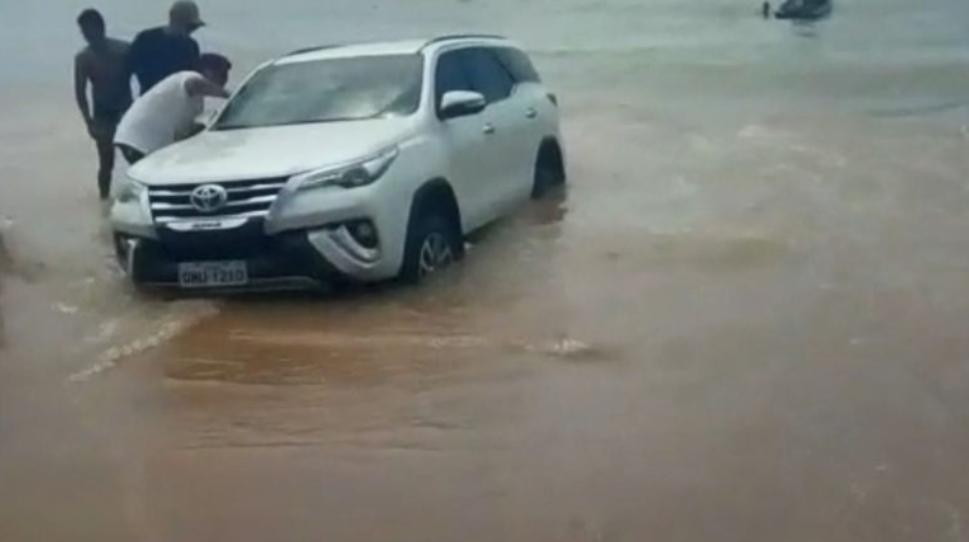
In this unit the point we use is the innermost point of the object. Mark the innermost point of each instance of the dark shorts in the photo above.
(105, 122)
(107, 115)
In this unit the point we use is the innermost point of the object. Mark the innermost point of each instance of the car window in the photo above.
(327, 90)
(518, 64)
(450, 75)
(488, 75)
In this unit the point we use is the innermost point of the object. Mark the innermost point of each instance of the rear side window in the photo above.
(488, 75)
(450, 75)
(518, 65)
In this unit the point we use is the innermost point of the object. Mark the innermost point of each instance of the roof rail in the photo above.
(312, 49)
(450, 37)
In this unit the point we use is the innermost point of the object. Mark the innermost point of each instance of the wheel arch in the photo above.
(437, 194)
(434, 196)
(550, 151)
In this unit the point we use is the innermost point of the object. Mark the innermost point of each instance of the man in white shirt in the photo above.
(166, 113)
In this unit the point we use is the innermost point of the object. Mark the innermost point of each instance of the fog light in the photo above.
(363, 232)
(357, 239)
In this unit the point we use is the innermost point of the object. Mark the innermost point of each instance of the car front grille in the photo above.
(246, 199)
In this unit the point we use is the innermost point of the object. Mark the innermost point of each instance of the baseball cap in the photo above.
(186, 12)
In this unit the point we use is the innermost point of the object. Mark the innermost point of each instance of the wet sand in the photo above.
(743, 320)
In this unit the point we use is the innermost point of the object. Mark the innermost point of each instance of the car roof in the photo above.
(401, 47)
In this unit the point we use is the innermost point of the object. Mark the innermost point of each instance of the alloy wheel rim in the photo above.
(435, 254)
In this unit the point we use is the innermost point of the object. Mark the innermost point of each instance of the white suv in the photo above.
(361, 162)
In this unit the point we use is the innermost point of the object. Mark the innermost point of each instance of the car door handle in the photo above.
(488, 129)
(531, 113)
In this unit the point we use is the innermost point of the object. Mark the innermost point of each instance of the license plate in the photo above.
(212, 274)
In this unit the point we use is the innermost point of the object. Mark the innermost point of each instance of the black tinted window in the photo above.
(451, 74)
(488, 75)
(518, 64)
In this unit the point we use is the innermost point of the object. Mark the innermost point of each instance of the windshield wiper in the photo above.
(290, 123)
(321, 121)
(221, 127)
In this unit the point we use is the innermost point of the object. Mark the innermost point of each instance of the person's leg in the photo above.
(105, 124)
(106, 165)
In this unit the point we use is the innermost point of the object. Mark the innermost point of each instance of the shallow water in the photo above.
(744, 318)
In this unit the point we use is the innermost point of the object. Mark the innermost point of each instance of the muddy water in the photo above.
(744, 319)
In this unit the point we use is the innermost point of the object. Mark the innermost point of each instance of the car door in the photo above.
(510, 127)
(533, 102)
(474, 158)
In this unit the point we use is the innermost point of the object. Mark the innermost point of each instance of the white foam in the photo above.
(64, 308)
(561, 347)
(108, 359)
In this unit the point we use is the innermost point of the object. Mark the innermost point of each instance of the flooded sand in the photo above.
(744, 319)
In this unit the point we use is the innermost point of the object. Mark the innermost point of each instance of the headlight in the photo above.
(130, 191)
(354, 175)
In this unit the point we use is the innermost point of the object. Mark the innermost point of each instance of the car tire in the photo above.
(432, 245)
(549, 171)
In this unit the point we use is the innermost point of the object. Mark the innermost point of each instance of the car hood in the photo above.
(275, 151)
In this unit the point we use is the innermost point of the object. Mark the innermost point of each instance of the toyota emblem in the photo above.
(209, 198)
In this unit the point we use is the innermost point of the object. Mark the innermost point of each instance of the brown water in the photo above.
(743, 320)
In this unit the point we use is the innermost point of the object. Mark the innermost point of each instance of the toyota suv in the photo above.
(356, 162)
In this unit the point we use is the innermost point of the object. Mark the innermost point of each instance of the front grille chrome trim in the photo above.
(246, 199)
(163, 206)
(164, 192)
(249, 214)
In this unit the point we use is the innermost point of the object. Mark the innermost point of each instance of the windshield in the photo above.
(327, 90)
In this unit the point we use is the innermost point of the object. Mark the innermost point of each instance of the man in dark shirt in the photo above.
(159, 52)
(102, 66)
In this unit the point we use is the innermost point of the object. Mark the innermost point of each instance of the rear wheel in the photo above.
(549, 170)
(432, 245)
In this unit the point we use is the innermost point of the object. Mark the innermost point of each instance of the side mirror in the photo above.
(462, 103)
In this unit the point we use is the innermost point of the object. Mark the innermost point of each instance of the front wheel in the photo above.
(432, 245)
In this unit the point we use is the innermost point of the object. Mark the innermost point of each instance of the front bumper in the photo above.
(298, 237)
(287, 259)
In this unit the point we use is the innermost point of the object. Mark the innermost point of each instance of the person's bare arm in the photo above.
(81, 77)
(200, 86)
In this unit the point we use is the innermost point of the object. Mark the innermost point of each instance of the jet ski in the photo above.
(804, 10)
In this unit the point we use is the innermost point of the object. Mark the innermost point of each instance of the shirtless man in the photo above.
(102, 65)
